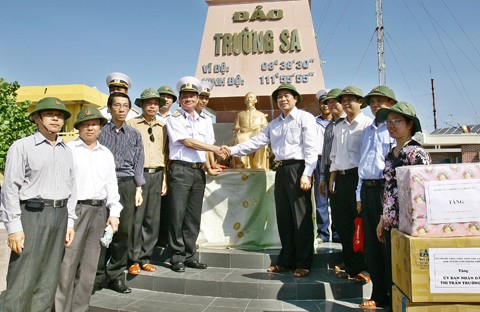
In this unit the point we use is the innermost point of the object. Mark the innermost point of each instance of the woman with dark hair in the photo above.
(402, 123)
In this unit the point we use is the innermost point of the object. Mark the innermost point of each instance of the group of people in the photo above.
(356, 171)
(59, 199)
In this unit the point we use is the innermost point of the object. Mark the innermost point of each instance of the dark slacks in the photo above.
(294, 218)
(321, 205)
(33, 275)
(79, 264)
(121, 248)
(372, 209)
(187, 187)
(344, 212)
(147, 218)
(387, 254)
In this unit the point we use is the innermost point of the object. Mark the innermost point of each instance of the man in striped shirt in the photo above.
(126, 145)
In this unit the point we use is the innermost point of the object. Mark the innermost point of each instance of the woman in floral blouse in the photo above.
(402, 123)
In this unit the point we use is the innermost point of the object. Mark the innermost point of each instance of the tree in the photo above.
(14, 123)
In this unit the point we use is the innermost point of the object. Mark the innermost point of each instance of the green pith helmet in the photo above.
(167, 90)
(381, 91)
(352, 90)
(290, 87)
(402, 108)
(332, 94)
(149, 93)
(89, 113)
(50, 103)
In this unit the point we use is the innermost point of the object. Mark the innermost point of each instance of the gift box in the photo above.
(400, 303)
(439, 200)
(411, 271)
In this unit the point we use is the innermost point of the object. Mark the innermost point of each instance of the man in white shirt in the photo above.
(292, 136)
(97, 189)
(345, 157)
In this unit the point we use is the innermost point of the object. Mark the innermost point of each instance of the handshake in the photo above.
(223, 151)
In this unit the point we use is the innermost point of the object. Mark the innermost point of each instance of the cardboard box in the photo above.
(411, 266)
(439, 200)
(400, 303)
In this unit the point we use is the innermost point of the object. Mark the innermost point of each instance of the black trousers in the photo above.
(372, 209)
(186, 187)
(121, 248)
(147, 218)
(344, 212)
(294, 218)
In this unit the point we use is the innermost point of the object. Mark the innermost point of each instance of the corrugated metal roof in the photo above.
(457, 130)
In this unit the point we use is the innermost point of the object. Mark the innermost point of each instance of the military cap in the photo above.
(207, 87)
(352, 90)
(380, 91)
(119, 79)
(50, 103)
(404, 109)
(167, 90)
(89, 113)
(332, 94)
(189, 84)
(150, 93)
(322, 94)
(290, 87)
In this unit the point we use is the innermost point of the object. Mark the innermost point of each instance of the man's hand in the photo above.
(321, 188)
(138, 196)
(114, 222)
(226, 152)
(218, 166)
(16, 242)
(359, 207)
(164, 187)
(69, 236)
(214, 171)
(380, 231)
(305, 183)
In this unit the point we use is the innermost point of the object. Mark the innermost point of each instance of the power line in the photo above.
(363, 56)
(336, 25)
(322, 18)
(450, 59)
(453, 16)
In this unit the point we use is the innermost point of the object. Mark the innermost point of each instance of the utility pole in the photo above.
(380, 51)
(434, 107)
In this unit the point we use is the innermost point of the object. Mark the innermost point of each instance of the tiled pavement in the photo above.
(152, 300)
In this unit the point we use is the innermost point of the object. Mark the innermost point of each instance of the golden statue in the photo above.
(248, 124)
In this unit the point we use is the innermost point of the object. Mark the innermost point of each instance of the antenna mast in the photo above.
(380, 37)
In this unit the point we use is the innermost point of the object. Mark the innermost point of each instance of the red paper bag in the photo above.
(358, 241)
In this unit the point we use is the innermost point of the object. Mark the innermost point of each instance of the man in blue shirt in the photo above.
(375, 144)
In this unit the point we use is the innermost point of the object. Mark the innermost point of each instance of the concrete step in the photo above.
(326, 256)
(151, 301)
(247, 283)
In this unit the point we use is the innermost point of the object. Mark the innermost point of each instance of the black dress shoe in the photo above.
(194, 264)
(178, 267)
(119, 286)
(96, 287)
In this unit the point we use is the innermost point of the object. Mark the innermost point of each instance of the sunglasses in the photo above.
(150, 132)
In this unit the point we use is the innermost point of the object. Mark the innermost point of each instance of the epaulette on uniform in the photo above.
(177, 114)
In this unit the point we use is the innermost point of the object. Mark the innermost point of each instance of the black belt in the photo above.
(93, 202)
(348, 171)
(188, 164)
(55, 203)
(124, 179)
(376, 182)
(152, 170)
(287, 162)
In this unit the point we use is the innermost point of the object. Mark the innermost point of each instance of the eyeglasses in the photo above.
(150, 132)
(393, 122)
(118, 106)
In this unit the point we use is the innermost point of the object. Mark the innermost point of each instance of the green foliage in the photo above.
(14, 123)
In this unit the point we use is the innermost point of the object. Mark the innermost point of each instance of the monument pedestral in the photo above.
(254, 46)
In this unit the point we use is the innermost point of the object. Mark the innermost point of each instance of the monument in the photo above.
(248, 124)
(254, 46)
